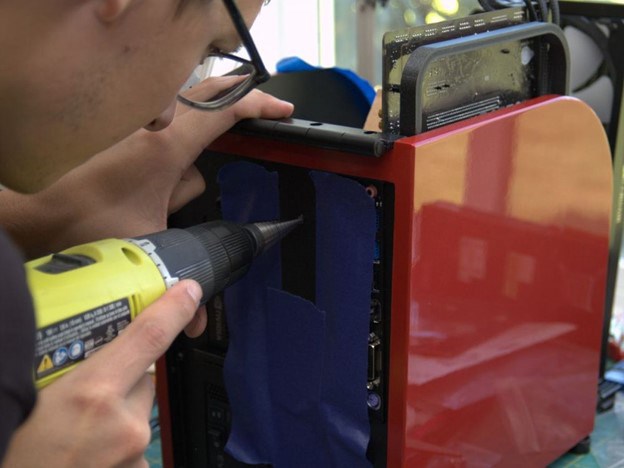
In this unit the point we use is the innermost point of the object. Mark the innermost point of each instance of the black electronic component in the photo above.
(399, 44)
(454, 80)
(436, 75)
(374, 361)
(337, 137)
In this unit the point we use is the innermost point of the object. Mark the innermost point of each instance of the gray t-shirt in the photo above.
(17, 343)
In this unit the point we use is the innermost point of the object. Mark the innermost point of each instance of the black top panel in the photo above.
(320, 135)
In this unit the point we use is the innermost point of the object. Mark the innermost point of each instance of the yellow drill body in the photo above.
(79, 310)
(86, 295)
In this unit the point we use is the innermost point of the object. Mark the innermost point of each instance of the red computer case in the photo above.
(500, 241)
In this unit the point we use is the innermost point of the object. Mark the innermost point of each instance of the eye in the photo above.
(215, 50)
(225, 47)
(206, 54)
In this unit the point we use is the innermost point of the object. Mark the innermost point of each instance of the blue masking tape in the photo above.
(295, 375)
(295, 372)
(345, 242)
(250, 193)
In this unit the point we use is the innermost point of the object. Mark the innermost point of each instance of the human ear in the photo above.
(108, 11)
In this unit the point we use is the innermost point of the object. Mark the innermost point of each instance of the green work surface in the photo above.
(607, 446)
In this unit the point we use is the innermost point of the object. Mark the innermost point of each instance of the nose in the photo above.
(164, 119)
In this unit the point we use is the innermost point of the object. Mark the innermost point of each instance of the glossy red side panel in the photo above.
(499, 266)
(509, 256)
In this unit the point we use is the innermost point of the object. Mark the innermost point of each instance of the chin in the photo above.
(31, 182)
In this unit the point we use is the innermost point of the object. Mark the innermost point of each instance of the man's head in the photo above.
(76, 76)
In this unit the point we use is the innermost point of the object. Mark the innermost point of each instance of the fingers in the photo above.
(138, 407)
(195, 130)
(124, 361)
(190, 186)
(258, 104)
(140, 399)
(198, 324)
(207, 89)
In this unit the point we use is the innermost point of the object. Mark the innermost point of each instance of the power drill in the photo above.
(86, 295)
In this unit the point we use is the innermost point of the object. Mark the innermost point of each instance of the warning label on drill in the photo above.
(67, 342)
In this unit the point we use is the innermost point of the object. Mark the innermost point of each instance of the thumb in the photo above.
(147, 337)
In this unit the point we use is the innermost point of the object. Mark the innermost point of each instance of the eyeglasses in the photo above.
(237, 75)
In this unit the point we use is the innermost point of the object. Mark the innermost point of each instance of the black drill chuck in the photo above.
(215, 254)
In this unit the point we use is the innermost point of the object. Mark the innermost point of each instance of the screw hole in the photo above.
(371, 191)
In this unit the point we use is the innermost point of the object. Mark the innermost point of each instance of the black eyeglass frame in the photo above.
(258, 76)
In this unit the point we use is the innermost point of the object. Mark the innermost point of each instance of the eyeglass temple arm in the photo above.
(248, 42)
